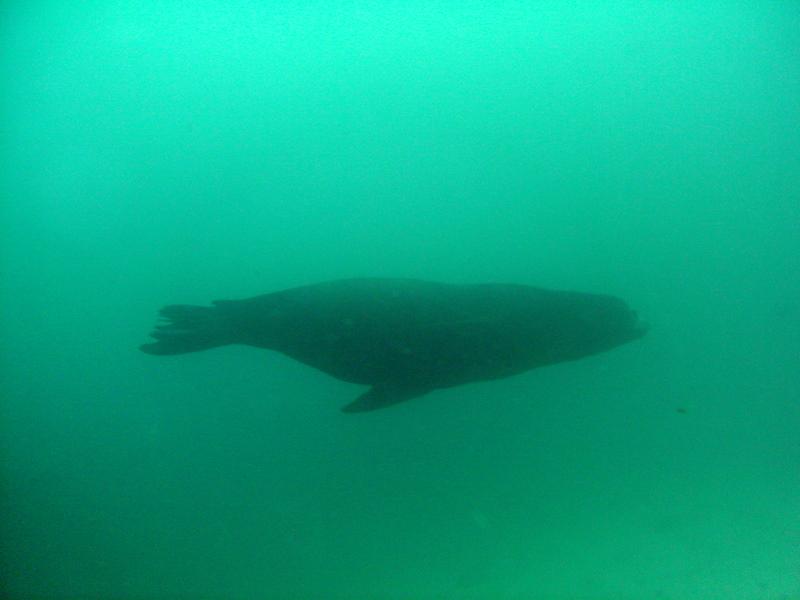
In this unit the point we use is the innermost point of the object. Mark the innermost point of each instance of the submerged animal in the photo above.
(405, 337)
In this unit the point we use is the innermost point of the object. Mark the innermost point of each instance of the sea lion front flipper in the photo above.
(381, 396)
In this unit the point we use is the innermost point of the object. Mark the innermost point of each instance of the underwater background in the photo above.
(179, 152)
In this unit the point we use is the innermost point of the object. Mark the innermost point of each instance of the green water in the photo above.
(178, 152)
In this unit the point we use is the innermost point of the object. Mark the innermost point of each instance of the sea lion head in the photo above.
(599, 322)
(607, 321)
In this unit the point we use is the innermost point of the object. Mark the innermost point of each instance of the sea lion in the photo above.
(406, 337)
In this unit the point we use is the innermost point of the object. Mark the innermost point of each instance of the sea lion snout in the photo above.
(640, 326)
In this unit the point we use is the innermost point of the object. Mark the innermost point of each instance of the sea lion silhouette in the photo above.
(405, 337)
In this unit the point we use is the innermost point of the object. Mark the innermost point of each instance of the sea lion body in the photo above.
(406, 337)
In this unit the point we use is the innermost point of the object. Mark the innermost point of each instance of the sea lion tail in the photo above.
(188, 329)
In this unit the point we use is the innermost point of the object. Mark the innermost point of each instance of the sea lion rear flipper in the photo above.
(188, 329)
(381, 396)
